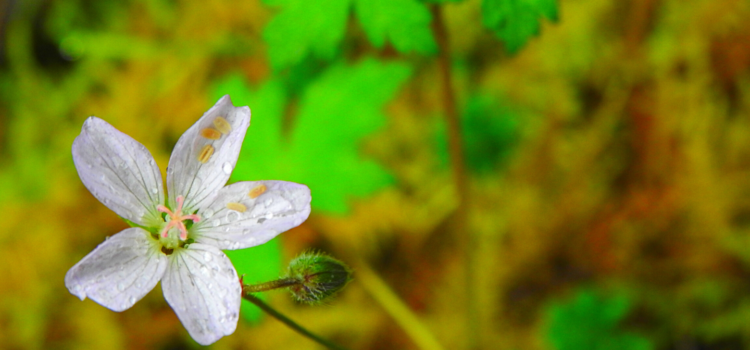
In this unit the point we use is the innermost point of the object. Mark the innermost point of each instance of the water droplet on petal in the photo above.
(154, 190)
(227, 168)
(208, 213)
(120, 287)
(232, 216)
(204, 270)
(131, 300)
(261, 220)
(207, 256)
(268, 202)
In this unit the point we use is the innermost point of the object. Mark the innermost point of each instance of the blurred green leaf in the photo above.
(259, 264)
(590, 321)
(490, 130)
(516, 21)
(335, 112)
(305, 27)
(406, 23)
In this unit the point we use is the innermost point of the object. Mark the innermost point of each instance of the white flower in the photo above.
(179, 241)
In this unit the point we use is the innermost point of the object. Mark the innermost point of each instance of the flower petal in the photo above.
(206, 154)
(119, 171)
(246, 214)
(119, 271)
(202, 287)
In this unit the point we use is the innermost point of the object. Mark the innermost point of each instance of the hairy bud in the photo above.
(318, 277)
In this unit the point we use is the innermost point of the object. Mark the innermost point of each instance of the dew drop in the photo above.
(120, 287)
(170, 170)
(222, 319)
(154, 190)
(204, 270)
(208, 213)
(261, 220)
(131, 300)
(227, 168)
(151, 162)
(207, 256)
(216, 223)
(268, 202)
(232, 216)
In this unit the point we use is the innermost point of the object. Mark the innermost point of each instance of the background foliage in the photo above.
(606, 151)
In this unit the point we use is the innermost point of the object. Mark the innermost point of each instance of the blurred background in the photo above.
(500, 174)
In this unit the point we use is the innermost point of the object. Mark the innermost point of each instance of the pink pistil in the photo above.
(176, 219)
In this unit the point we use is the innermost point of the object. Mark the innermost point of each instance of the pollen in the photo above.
(255, 192)
(236, 207)
(222, 125)
(211, 133)
(206, 153)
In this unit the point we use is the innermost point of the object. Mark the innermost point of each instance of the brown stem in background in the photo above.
(455, 149)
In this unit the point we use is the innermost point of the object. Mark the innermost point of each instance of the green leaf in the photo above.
(590, 321)
(336, 111)
(259, 264)
(339, 108)
(263, 152)
(490, 130)
(516, 21)
(405, 23)
(305, 27)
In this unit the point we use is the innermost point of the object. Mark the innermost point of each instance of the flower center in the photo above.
(176, 219)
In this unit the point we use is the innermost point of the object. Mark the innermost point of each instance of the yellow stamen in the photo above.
(211, 134)
(255, 192)
(206, 153)
(222, 125)
(236, 207)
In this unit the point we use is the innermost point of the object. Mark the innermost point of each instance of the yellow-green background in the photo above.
(607, 161)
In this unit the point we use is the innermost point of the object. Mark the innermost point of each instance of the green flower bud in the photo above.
(318, 276)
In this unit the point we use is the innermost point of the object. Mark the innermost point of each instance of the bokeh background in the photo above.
(500, 174)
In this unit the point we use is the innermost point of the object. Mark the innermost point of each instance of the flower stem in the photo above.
(291, 324)
(264, 287)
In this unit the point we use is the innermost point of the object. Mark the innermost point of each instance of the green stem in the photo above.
(264, 287)
(291, 324)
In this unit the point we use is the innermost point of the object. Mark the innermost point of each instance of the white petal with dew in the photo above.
(119, 171)
(202, 287)
(119, 271)
(201, 165)
(280, 207)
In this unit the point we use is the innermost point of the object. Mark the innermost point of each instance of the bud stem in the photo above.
(264, 287)
(285, 320)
